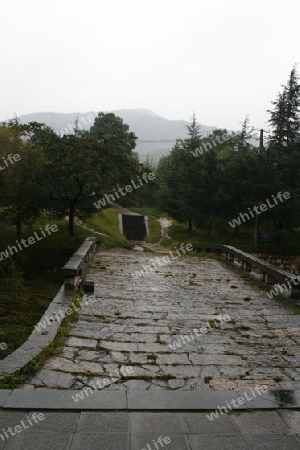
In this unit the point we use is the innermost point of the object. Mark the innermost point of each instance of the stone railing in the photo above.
(46, 329)
(77, 265)
(257, 269)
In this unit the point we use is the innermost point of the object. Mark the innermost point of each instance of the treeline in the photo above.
(65, 175)
(209, 181)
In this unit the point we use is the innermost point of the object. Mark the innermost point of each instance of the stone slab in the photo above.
(62, 399)
(178, 400)
(4, 394)
(101, 441)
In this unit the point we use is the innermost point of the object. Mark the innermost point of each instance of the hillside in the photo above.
(156, 134)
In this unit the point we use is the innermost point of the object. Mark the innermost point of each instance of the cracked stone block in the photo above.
(119, 356)
(53, 379)
(119, 346)
(65, 365)
(135, 385)
(151, 368)
(94, 356)
(181, 371)
(140, 358)
(111, 368)
(175, 384)
(78, 342)
(152, 348)
(68, 352)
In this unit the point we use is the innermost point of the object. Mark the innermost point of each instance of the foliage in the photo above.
(107, 222)
(64, 174)
(154, 230)
(209, 181)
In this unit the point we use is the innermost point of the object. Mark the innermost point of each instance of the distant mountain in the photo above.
(156, 135)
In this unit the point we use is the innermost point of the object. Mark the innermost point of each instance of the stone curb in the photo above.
(142, 400)
(38, 340)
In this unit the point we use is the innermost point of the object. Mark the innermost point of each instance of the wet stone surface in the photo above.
(192, 324)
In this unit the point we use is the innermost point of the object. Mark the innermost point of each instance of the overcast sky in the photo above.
(223, 59)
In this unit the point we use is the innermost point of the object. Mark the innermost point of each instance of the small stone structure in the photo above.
(134, 226)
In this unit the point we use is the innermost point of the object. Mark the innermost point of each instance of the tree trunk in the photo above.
(71, 220)
(190, 225)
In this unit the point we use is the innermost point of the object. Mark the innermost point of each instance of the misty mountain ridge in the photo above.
(156, 135)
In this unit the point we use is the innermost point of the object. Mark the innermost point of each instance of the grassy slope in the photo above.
(288, 244)
(26, 294)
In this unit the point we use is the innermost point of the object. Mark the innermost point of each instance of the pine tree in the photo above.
(284, 148)
(285, 118)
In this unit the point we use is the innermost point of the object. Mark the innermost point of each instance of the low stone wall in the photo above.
(257, 268)
(285, 262)
(46, 329)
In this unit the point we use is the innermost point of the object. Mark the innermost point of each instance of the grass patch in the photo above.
(107, 222)
(154, 230)
(166, 242)
(288, 242)
(54, 348)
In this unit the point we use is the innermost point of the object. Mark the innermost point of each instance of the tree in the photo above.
(20, 179)
(174, 172)
(284, 148)
(285, 119)
(116, 145)
(83, 166)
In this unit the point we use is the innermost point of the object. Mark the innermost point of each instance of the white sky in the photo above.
(223, 59)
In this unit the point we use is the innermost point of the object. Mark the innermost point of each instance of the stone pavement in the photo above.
(165, 330)
(122, 430)
(153, 364)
